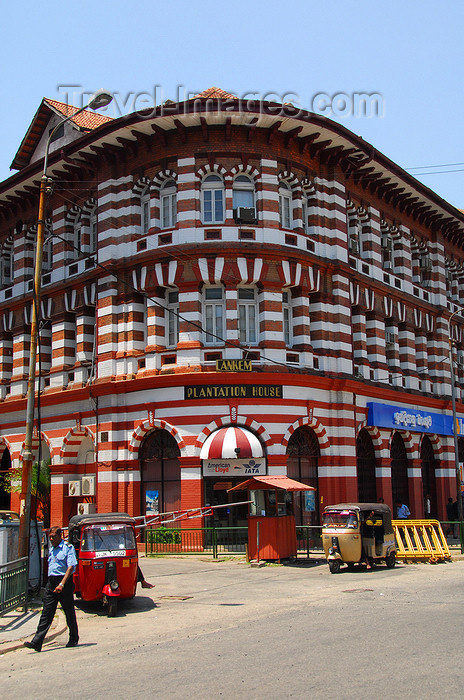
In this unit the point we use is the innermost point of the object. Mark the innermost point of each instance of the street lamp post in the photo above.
(100, 99)
(455, 432)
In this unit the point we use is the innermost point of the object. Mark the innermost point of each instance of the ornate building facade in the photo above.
(229, 290)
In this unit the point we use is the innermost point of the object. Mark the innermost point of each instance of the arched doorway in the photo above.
(429, 486)
(5, 497)
(229, 456)
(365, 463)
(302, 460)
(399, 470)
(461, 450)
(160, 473)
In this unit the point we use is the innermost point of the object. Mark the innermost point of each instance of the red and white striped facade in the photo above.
(350, 302)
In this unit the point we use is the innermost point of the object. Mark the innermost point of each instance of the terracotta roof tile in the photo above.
(217, 94)
(85, 120)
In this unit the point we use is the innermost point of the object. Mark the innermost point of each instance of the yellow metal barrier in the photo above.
(420, 540)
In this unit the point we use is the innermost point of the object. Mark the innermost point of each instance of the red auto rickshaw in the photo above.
(107, 560)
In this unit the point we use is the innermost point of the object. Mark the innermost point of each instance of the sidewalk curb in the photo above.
(6, 647)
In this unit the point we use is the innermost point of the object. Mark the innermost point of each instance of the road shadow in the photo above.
(139, 604)
(356, 569)
(303, 563)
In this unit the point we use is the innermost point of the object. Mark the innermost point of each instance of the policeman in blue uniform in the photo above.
(60, 587)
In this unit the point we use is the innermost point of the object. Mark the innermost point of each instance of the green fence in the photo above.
(233, 540)
(13, 584)
(219, 540)
(454, 533)
(199, 540)
(308, 539)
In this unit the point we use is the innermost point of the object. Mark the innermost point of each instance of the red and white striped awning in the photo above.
(231, 443)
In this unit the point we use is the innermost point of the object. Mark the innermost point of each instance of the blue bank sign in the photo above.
(388, 416)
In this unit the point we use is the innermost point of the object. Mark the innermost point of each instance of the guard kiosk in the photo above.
(271, 519)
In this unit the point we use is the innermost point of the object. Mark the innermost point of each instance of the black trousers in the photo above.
(50, 602)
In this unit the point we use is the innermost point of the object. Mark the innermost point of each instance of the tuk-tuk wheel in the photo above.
(390, 560)
(112, 607)
(334, 566)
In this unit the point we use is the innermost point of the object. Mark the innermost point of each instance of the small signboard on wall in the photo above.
(310, 501)
(233, 366)
(234, 467)
(152, 502)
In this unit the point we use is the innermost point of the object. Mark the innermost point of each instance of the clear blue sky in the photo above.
(410, 53)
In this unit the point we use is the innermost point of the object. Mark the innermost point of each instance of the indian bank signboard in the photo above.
(234, 467)
(416, 420)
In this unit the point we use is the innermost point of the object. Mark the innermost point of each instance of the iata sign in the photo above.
(234, 467)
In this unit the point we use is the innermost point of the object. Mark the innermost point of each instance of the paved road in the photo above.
(225, 630)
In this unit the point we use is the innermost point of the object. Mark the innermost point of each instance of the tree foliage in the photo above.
(40, 486)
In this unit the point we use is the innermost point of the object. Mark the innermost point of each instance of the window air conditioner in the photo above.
(387, 265)
(245, 215)
(74, 488)
(354, 247)
(86, 508)
(88, 486)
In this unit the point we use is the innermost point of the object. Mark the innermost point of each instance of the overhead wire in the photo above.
(185, 256)
(125, 282)
(438, 165)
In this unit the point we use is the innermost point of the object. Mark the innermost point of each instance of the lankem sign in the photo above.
(233, 366)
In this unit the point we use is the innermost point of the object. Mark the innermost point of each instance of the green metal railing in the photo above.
(219, 540)
(308, 539)
(13, 584)
(234, 540)
(454, 530)
(199, 540)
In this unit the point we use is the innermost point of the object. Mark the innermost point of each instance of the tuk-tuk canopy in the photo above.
(279, 482)
(378, 508)
(78, 521)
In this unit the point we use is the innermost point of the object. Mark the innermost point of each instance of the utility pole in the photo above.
(100, 99)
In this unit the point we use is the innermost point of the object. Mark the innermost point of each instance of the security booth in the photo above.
(271, 518)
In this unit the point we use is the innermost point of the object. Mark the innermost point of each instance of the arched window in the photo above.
(354, 236)
(93, 231)
(5, 267)
(388, 258)
(172, 318)
(213, 200)
(243, 192)
(145, 218)
(285, 205)
(47, 256)
(213, 315)
(247, 316)
(287, 316)
(168, 204)
(77, 237)
(305, 214)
